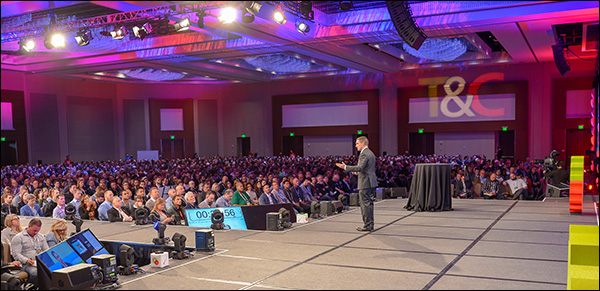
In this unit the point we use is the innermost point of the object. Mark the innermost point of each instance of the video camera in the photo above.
(550, 162)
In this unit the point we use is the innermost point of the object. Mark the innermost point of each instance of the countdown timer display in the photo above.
(234, 218)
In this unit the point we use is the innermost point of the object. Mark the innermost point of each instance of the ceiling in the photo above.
(361, 40)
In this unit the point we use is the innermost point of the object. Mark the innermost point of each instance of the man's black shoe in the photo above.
(364, 229)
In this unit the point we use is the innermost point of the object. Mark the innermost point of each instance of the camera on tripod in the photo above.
(550, 162)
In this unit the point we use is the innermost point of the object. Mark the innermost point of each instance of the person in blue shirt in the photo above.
(106, 205)
(31, 208)
(225, 200)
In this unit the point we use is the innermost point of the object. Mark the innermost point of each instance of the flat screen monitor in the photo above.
(60, 256)
(78, 248)
(85, 244)
(233, 217)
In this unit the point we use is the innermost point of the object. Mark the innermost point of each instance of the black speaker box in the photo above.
(405, 24)
(354, 199)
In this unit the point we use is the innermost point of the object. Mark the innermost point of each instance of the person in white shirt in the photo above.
(59, 210)
(518, 187)
(28, 244)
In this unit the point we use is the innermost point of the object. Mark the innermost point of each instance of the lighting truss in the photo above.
(117, 18)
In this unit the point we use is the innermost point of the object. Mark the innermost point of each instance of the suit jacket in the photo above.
(366, 170)
(115, 216)
(26, 210)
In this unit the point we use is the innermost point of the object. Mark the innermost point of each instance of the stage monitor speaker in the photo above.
(398, 192)
(353, 199)
(77, 277)
(338, 206)
(205, 240)
(559, 59)
(326, 208)
(405, 23)
(108, 267)
(274, 221)
(315, 209)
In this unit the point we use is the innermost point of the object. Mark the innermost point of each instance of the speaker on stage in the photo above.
(405, 24)
(274, 221)
(326, 208)
(315, 209)
(353, 199)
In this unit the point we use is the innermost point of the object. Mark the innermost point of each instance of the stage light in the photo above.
(126, 259)
(78, 222)
(302, 27)
(249, 18)
(252, 7)
(26, 45)
(346, 5)
(217, 219)
(54, 40)
(141, 216)
(142, 32)
(279, 17)
(70, 211)
(315, 209)
(201, 15)
(160, 228)
(10, 282)
(285, 217)
(182, 25)
(228, 15)
(83, 37)
(179, 246)
(306, 9)
(119, 32)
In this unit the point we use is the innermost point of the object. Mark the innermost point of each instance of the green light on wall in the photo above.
(359, 132)
(243, 135)
(504, 128)
(291, 134)
(3, 139)
(421, 130)
(172, 137)
(580, 126)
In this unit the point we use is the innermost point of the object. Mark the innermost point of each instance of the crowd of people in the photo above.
(161, 190)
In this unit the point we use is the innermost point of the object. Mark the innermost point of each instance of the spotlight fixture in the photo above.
(141, 215)
(284, 214)
(279, 17)
(78, 222)
(217, 219)
(179, 246)
(306, 9)
(302, 27)
(228, 15)
(346, 5)
(201, 15)
(126, 259)
(119, 32)
(161, 239)
(142, 32)
(252, 7)
(26, 45)
(54, 40)
(248, 17)
(83, 37)
(182, 25)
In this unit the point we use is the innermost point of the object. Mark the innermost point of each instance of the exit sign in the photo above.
(243, 135)
(172, 137)
(421, 130)
(359, 132)
(3, 138)
(505, 128)
(580, 126)
(291, 134)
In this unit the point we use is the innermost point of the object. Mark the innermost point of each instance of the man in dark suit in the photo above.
(367, 181)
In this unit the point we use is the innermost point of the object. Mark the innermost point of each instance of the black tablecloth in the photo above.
(430, 188)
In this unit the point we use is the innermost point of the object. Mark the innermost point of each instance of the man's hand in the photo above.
(342, 165)
(30, 262)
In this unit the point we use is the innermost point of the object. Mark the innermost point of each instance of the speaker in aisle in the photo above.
(353, 199)
(337, 206)
(274, 221)
(326, 208)
(344, 199)
(315, 209)
(405, 24)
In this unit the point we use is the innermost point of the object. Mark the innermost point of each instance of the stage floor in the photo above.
(481, 244)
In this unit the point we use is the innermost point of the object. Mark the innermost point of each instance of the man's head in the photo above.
(286, 184)
(335, 177)
(172, 192)
(126, 194)
(239, 186)
(177, 200)
(210, 196)
(108, 195)
(493, 177)
(229, 194)
(296, 182)
(77, 195)
(180, 190)
(30, 198)
(117, 203)
(513, 176)
(35, 224)
(361, 143)
(275, 186)
(154, 193)
(206, 187)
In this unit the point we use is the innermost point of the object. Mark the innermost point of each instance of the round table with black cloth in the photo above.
(430, 188)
